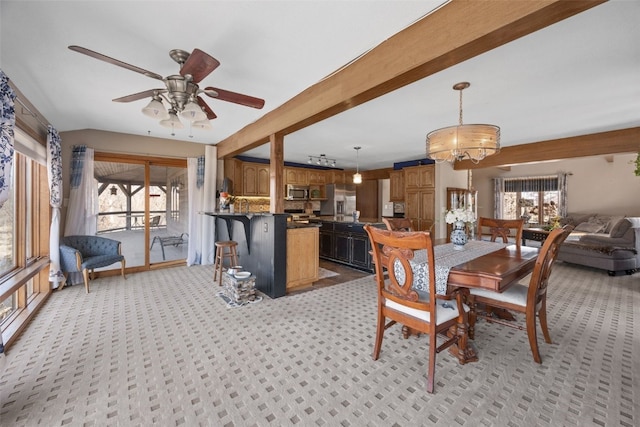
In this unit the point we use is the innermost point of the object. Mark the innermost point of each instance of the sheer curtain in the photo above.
(195, 188)
(82, 214)
(54, 169)
(201, 173)
(7, 123)
(562, 194)
(498, 197)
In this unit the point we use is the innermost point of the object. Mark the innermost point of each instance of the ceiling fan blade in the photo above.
(238, 98)
(210, 114)
(199, 65)
(113, 61)
(139, 95)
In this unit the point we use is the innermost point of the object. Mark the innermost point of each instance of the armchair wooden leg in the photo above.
(85, 276)
(122, 263)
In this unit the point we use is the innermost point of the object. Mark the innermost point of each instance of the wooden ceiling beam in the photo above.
(448, 36)
(595, 144)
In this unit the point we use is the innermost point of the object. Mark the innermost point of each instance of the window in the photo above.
(24, 239)
(534, 199)
(7, 231)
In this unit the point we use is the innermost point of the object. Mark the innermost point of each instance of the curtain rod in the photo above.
(32, 114)
(536, 176)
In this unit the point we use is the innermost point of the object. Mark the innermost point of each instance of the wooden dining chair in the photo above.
(530, 300)
(501, 228)
(398, 224)
(424, 312)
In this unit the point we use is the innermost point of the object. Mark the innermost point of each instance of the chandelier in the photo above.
(322, 160)
(357, 177)
(474, 142)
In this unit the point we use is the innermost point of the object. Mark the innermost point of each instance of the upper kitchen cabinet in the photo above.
(317, 177)
(337, 177)
(296, 176)
(233, 172)
(396, 190)
(255, 179)
(420, 177)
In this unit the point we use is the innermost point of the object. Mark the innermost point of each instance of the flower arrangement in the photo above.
(226, 199)
(460, 214)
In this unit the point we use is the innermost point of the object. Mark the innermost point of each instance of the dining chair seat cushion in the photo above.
(516, 294)
(445, 310)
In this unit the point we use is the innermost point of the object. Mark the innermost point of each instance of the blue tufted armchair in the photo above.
(85, 253)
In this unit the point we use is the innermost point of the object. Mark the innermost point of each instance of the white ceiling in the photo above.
(576, 77)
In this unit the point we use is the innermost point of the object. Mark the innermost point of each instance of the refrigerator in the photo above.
(341, 200)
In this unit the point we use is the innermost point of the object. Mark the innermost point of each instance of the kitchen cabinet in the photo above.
(418, 177)
(327, 245)
(346, 243)
(338, 177)
(420, 196)
(396, 190)
(255, 178)
(233, 171)
(420, 208)
(296, 176)
(302, 256)
(317, 177)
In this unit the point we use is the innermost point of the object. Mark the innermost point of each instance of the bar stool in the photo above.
(224, 249)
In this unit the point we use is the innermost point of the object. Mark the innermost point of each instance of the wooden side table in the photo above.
(536, 234)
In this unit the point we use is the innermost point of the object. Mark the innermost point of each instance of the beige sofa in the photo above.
(607, 242)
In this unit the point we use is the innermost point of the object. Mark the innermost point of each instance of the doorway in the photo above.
(143, 203)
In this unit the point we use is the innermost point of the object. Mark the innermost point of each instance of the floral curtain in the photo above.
(54, 169)
(7, 123)
(82, 214)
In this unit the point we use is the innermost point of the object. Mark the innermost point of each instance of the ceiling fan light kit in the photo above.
(474, 142)
(182, 90)
(173, 122)
(155, 109)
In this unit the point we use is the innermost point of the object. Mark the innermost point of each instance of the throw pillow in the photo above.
(590, 227)
(620, 228)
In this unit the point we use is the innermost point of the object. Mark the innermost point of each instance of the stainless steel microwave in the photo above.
(296, 192)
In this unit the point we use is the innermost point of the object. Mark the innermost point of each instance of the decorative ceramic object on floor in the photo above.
(459, 235)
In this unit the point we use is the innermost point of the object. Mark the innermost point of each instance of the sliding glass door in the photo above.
(143, 204)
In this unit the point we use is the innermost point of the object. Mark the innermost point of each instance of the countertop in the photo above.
(346, 219)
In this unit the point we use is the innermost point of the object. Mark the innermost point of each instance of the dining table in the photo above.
(481, 264)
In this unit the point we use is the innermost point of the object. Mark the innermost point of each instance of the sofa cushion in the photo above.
(591, 227)
(625, 241)
(575, 219)
(620, 228)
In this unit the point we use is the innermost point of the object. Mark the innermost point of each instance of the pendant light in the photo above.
(357, 178)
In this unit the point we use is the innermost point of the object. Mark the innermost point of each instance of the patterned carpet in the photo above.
(161, 348)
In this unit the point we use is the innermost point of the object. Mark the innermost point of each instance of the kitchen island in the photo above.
(263, 249)
(344, 240)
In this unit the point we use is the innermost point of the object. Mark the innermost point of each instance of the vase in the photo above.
(232, 209)
(459, 235)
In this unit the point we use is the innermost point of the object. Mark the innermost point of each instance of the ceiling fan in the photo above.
(182, 91)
